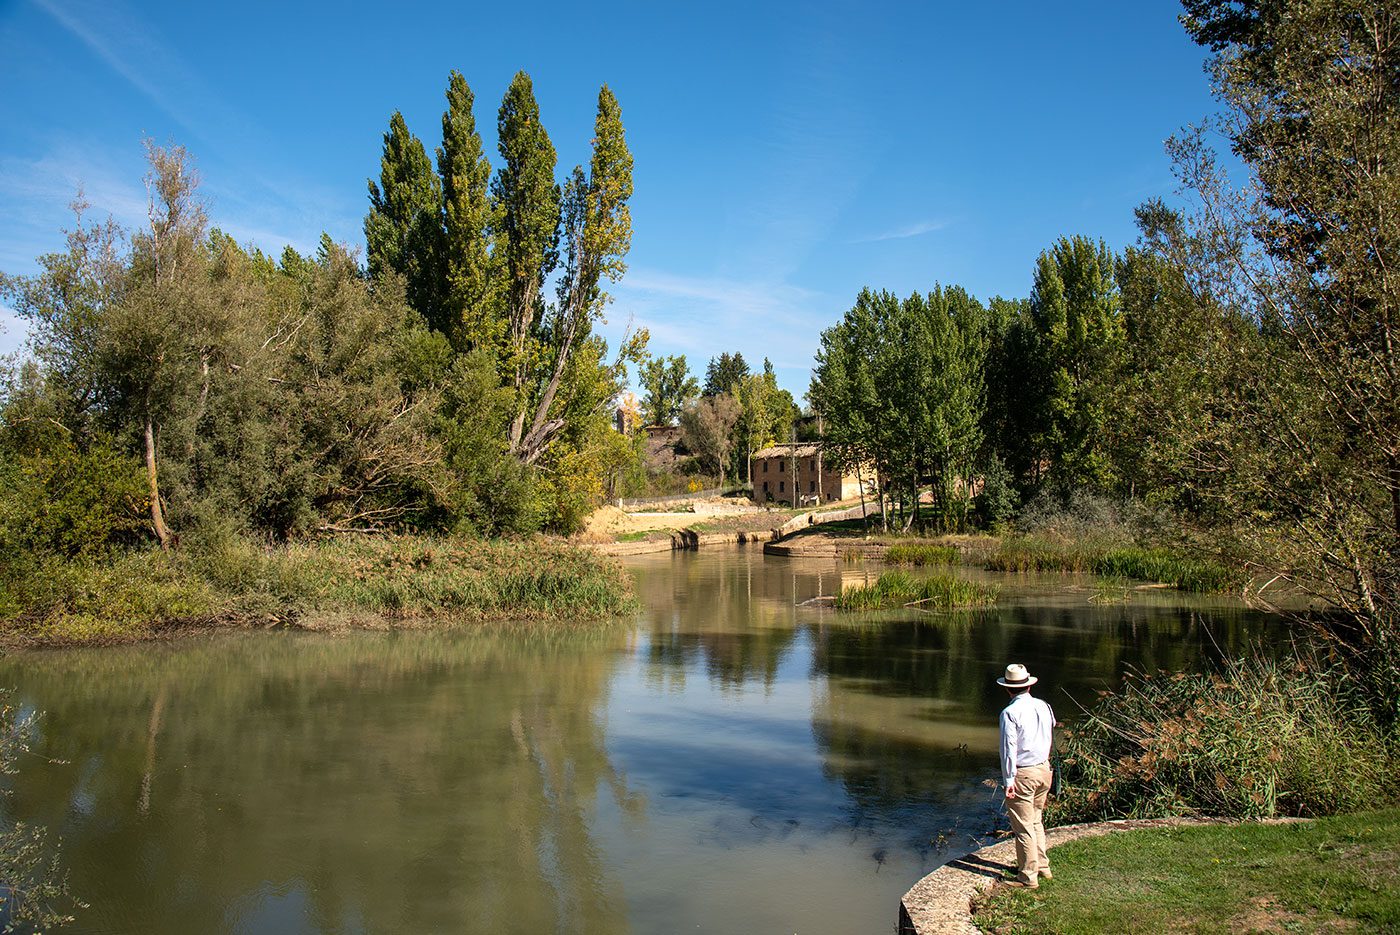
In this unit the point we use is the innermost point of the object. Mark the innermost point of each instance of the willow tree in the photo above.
(1312, 107)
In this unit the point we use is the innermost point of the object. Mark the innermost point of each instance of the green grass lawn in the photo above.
(1338, 874)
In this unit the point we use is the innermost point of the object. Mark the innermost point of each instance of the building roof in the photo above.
(804, 450)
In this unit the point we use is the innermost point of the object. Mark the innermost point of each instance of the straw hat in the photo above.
(1017, 677)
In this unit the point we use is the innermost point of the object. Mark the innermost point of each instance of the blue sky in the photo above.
(786, 154)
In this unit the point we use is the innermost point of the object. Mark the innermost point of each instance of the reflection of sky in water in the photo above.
(734, 763)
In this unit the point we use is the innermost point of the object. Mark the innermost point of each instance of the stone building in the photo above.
(782, 470)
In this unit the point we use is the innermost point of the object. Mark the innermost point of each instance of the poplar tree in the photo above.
(527, 234)
(471, 312)
(403, 231)
(1075, 312)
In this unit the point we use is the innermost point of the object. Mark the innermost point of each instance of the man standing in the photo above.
(1026, 727)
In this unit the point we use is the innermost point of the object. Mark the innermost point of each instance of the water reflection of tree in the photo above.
(907, 721)
(420, 782)
(737, 622)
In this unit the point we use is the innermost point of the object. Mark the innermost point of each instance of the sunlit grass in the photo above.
(1033, 554)
(1335, 874)
(899, 588)
(234, 580)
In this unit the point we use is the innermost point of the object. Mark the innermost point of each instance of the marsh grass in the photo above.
(1256, 739)
(1166, 566)
(1334, 874)
(898, 588)
(232, 580)
(921, 553)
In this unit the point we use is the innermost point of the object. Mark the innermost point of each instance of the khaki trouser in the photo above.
(1027, 809)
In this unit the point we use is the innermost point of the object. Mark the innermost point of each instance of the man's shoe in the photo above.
(1046, 874)
(1019, 885)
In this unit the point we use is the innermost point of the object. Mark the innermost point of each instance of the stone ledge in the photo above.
(942, 901)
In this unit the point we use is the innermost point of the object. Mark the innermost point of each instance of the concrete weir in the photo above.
(941, 903)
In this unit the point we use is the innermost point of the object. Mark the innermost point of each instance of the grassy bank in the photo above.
(898, 588)
(1334, 874)
(1164, 565)
(236, 582)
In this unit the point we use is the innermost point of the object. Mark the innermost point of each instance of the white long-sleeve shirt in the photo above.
(1026, 725)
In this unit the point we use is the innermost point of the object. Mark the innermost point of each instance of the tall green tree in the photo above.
(527, 235)
(1075, 310)
(668, 386)
(403, 231)
(597, 233)
(471, 313)
(723, 373)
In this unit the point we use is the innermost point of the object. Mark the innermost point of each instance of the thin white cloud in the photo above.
(917, 229)
(112, 34)
(703, 317)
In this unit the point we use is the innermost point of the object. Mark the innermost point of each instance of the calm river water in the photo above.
(731, 762)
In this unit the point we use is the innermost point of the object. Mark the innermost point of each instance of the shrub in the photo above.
(1255, 739)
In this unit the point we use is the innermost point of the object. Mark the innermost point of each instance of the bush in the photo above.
(72, 502)
(1257, 739)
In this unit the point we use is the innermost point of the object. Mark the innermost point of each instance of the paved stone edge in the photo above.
(942, 901)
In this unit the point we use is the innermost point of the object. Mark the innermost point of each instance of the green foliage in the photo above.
(997, 501)
(668, 385)
(899, 588)
(708, 429)
(70, 502)
(723, 373)
(1075, 310)
(402, 230)
(471, 304)
(900, 387)
(1167, 566)
(1173, 744)
(226, 578)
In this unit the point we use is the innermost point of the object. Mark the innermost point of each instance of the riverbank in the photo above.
(1112, 561)
(1332, 874)
(372, 581)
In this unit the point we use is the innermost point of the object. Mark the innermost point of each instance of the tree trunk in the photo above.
(157, 515)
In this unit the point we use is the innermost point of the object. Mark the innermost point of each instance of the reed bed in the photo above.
(1165, 566)
(899, 588)
(233, 580)
(1257, 739)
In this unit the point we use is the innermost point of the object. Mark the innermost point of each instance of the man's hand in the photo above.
(1011, 790)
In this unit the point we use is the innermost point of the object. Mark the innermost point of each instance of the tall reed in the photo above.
(1256, 739)
(897, 588)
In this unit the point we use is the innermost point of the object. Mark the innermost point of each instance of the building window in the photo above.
(765, 471)
(782, 465)
(814, 487)
(813, 465)
(782, 486)
(765, 485)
